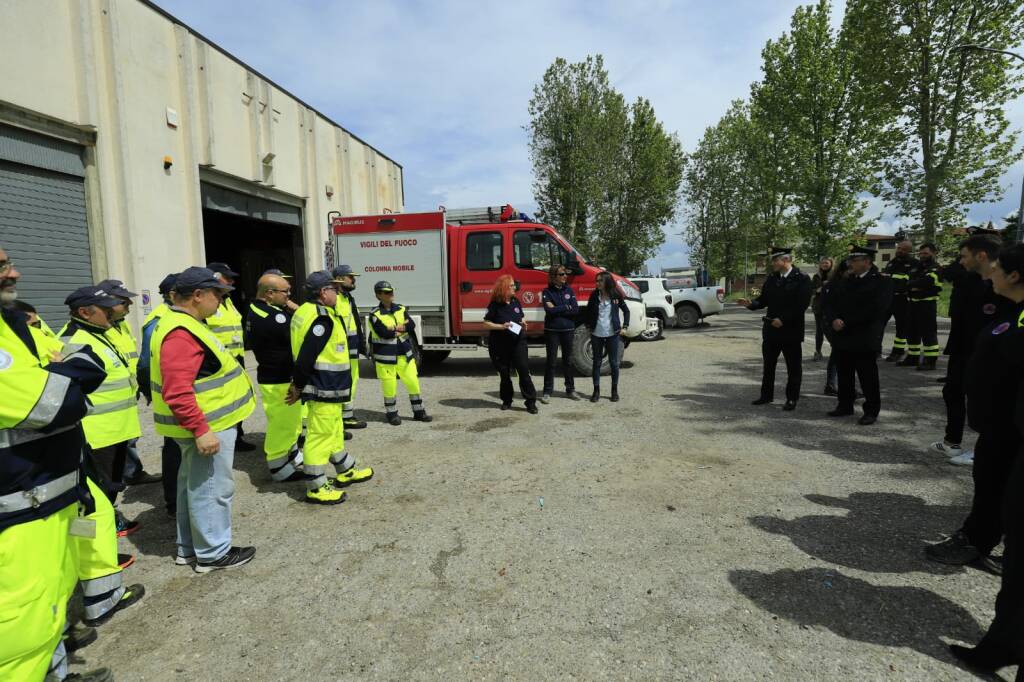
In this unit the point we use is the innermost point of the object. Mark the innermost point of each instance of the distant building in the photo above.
(886, 246)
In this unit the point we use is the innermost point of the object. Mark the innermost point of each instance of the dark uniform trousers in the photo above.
(994, 456)
(1007, 630)
(862, 364)
(954, 394)
(512, 355)
(900, 312)
(791, 351)
(923, 337)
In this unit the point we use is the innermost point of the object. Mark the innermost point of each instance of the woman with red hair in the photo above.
(508, 343)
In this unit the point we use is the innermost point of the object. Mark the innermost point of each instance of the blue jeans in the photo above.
(132, 463)
(205, 489)
(609, 345)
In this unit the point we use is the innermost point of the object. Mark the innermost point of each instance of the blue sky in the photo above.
(442, 87)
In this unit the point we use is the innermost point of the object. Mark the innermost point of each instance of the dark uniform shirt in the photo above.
(994, 369)
(924, 281)
(897, 272)
(784, 298)
(860, 303)
(268, 332)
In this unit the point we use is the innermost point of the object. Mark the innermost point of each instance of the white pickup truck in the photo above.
(678, 307)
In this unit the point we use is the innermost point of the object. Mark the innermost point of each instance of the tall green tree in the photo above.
(606, 174)
(827, 118)
(953, 140)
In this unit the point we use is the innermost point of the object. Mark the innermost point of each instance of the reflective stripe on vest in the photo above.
(225, 397)
(344, 310)
(386, 351)
(226, 325)
(45, 492)
(113, 415)
(332, 372)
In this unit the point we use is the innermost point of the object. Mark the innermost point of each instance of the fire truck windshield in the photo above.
(568, 244)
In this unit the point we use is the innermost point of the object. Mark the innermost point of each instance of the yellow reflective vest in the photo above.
(344, 309)
(120, 334)
(155, 313)
(226, 324)
(225, 397)
(331, 379)
(114, 413)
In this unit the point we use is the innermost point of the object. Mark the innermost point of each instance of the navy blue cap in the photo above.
(383, 286)
(115, 287)
(222, 269)
(341, 270)
(194, 278)
(275, 271)
(864, 251)
(316, 281)
(167, 284)
(91, 295)
(780, 251)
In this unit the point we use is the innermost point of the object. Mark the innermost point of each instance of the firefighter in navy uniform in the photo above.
(267, 327)
(897, 273)
(348, 311)
(785, 296)
(43, 493)
(854, 310)
(320, 378)
(923, 291)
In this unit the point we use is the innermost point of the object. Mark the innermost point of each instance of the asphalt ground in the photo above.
(678, 534)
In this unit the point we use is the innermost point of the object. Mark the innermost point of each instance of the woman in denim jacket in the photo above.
(606, 328)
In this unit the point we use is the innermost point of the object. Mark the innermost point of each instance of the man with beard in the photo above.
(785, 296)
(853, 310)
(897, 272)
(923, 290)
(349, 314)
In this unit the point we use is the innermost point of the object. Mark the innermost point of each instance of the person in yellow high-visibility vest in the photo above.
(200, 394)
(41, 491)
(226, 324)
(124, 340)
(348, 311)
(321, 379)
(391, 331)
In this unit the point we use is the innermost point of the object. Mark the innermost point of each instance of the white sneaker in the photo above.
(964, 459)
(946, 449)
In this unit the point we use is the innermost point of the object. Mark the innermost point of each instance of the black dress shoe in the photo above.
(144, 477)
(532, 409)
(354, 424)
(840, 412)
(867, 420)
(789, 406)
(983, 658)
(831, 390)
(506, 406)
(761, 401)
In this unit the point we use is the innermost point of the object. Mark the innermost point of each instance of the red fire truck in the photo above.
(443, 264)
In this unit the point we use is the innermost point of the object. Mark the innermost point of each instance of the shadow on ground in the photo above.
(891, 616)
(880, 533)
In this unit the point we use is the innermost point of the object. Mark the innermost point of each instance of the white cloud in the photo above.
(442, 87)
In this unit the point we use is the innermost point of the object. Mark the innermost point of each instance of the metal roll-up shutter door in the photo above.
(43, 226)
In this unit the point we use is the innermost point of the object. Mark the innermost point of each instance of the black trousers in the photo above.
(1007, 630)
(923, 335)
(170, 460)
(791, 351)
(955, 397)
(864, 366)
(555, 340)
(994, 456)
(899, 310)
(109, 463)
(511, 357)
(819, 331)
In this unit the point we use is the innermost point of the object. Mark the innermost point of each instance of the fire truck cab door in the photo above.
(482, 256)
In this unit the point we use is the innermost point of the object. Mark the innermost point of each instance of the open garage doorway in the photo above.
(252, 234)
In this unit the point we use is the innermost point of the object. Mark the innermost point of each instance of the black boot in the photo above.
(895, 355)
(909, 361)
(596, 395)
(615, 393)
(927, 364)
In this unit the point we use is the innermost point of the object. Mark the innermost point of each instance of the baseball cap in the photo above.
(167, 284)
(343, 269)
(383, 286)
(115, 287)
(91, 295)
(194, 278)
(222, 269)
(316, 281)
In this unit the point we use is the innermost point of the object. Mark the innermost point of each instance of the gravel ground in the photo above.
(678, 534)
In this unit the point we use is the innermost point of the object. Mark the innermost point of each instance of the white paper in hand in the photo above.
(515, 328)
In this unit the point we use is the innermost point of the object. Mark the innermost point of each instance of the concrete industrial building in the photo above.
(131, 146)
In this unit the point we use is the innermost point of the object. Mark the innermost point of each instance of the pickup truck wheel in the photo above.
(435, 357)
(687, 316)
(653, 335)
(583, 353)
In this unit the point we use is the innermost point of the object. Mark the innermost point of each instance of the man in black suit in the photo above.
(785, 296)
(854, 311)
